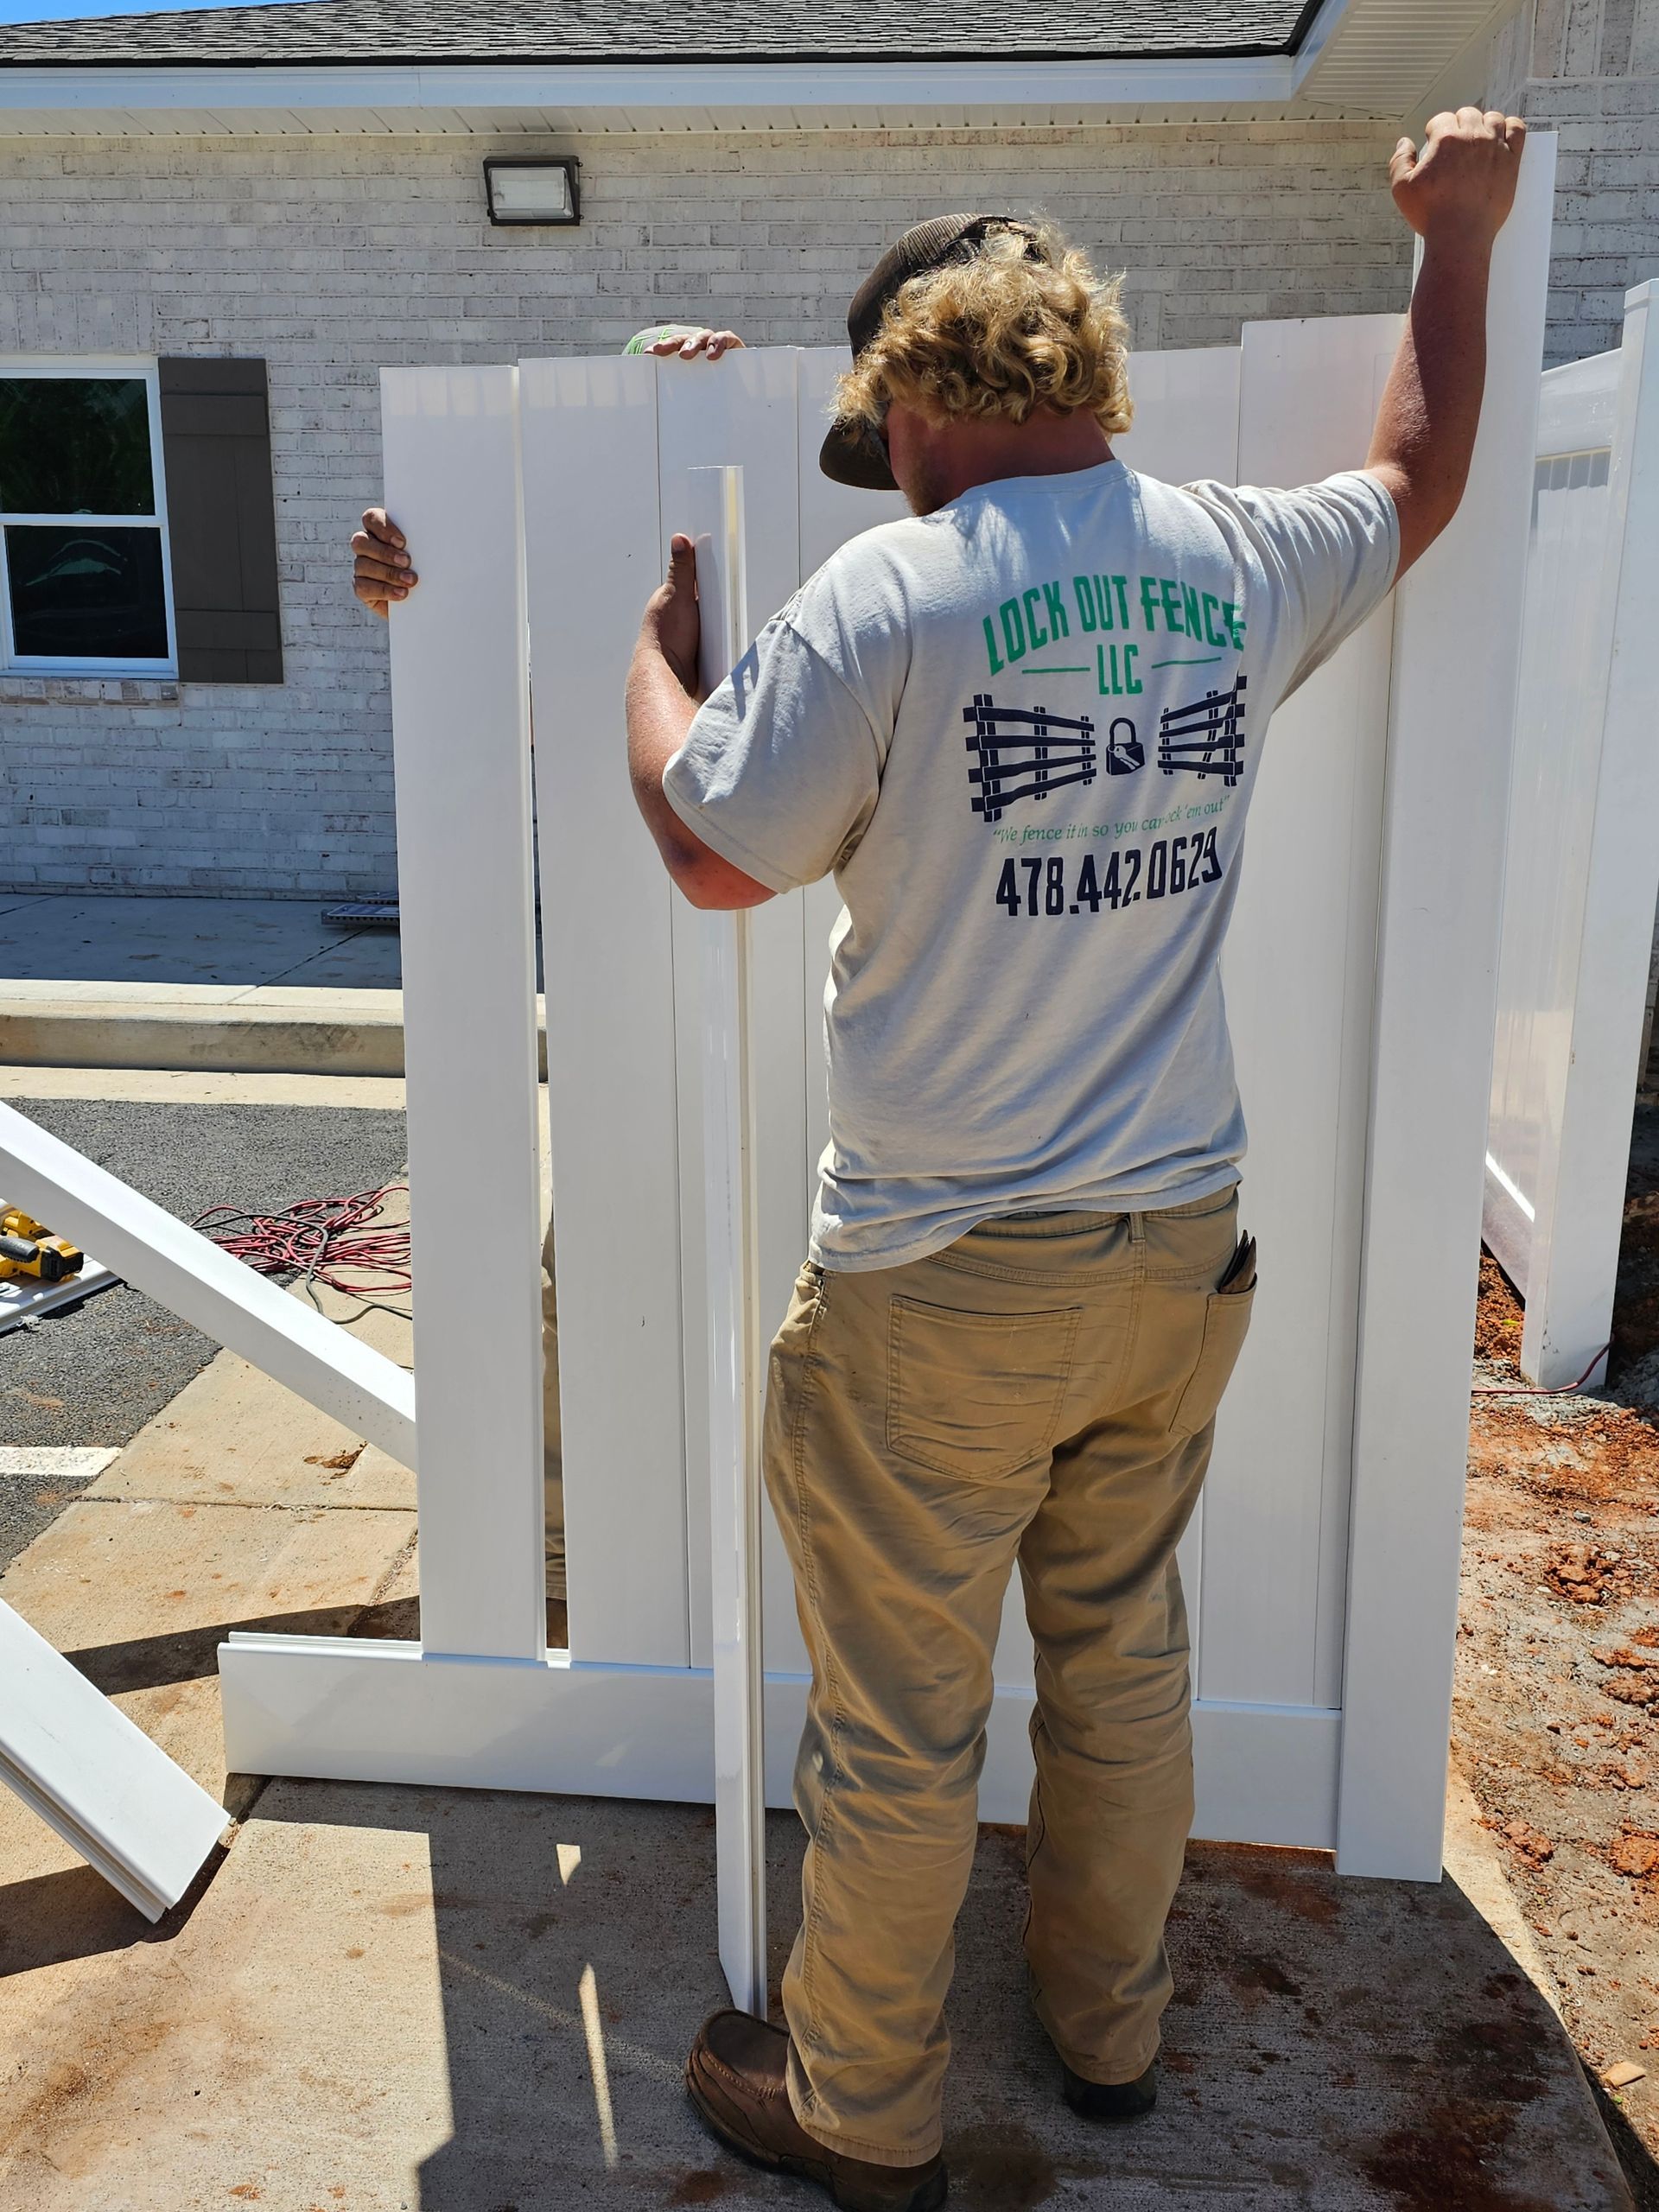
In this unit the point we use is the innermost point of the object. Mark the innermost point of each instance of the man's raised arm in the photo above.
(1456, 193)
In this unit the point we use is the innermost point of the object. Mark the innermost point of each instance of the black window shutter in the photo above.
(221, 516)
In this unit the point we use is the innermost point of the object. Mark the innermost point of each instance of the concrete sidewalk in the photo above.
(395, 1998)
(196, 983)
(226, 984)
(233, 943)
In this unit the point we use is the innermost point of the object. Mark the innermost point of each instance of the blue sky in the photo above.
(57, 12)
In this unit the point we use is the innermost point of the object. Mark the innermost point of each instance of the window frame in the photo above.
(137, 367)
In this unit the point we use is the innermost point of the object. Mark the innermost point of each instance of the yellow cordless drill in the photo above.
(27, 1248)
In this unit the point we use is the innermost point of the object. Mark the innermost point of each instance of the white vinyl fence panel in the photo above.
(1360, 974)
(1583, 857)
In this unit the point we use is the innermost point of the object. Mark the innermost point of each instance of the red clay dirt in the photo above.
(1556, 1714)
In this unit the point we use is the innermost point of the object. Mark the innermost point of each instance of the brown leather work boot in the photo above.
(1111, 2100)
(736, 2077)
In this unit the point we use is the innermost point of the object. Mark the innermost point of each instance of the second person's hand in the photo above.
(711, 343)
(381, 568)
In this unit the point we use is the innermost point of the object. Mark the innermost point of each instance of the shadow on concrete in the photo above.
(146, 1661)
(191, 1655)
(74, 1914)
(1333, 2043)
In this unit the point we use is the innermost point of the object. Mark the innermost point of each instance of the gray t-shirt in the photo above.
(1023, 733)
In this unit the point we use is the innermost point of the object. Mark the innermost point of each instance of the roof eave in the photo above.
(616, 89)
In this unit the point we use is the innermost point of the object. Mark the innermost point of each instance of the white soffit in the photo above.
(1381, 57)
(485, 99)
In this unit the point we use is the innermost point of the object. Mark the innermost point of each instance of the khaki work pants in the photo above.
(1044, 1391)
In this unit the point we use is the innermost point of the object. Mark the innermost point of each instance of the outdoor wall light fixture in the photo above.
(522, 189)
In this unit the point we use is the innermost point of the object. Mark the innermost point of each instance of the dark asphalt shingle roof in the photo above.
(390, 32)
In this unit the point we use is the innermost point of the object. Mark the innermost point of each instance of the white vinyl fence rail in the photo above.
(1583, 854)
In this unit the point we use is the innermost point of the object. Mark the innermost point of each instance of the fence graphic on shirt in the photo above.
(1206, 735)
(1026, 752)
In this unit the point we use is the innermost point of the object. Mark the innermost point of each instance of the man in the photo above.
(381, 574)
(1026, 1290)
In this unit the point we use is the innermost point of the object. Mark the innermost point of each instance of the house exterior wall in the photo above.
(331, 256)
(1589, 71)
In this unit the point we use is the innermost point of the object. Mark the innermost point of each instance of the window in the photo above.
(85, 571)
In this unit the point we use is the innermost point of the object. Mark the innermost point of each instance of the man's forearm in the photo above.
(1425, 426)
(1455, 194)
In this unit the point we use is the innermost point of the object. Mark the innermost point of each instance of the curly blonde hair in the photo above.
(1002, 334)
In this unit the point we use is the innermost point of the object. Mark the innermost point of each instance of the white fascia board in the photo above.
(764, 87)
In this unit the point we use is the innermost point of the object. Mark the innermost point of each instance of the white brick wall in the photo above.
(1589, 71)
(329, 256)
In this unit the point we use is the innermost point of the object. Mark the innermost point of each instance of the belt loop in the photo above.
(1137, 1228)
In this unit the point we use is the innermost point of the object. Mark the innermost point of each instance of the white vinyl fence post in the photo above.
(731, 1215)
(1457, 648)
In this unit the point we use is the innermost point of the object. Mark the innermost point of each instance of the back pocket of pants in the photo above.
(1226, 1323)
(976, 1394)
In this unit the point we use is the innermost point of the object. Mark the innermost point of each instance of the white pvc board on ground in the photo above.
(96, 1779)
(1321, 1714)
(1583, 857)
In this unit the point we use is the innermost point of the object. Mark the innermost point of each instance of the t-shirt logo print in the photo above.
(1026, 751)
(1206, 735)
